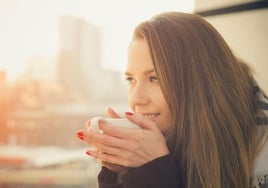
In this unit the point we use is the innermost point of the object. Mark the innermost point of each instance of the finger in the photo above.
(112, 113)
(101, 148)
(142, 121)
(106, 158)
(121, 133)
(88, 124)
(95, 139)
(81, 134)
(113, 167)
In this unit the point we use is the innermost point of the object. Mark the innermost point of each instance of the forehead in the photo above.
(139, 56)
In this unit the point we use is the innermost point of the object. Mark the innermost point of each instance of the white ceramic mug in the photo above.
(120, 122)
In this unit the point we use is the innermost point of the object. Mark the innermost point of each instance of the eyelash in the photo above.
(152, 79)
(130, 80)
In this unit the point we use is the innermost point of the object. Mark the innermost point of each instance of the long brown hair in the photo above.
(209, 92)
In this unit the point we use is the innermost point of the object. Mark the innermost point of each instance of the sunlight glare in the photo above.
(31, 27)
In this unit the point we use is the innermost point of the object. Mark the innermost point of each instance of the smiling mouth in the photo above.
(151, 116)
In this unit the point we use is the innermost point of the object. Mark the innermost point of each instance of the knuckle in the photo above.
(88, 138)
(103, 157)
(139, 137)
(134, 147)
(113, 131)
(106, 140)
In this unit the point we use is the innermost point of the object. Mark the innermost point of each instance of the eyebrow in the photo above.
(145, 73)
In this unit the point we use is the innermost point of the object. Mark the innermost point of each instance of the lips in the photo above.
(151, 116)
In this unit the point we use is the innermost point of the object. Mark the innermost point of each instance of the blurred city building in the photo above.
(41, 68)
(54, 101)
(47, 104)
(79, 62)
(3, 111)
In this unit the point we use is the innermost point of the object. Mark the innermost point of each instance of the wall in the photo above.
(246, 32)
(211, 4)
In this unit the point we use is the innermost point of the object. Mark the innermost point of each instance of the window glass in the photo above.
(61, 63)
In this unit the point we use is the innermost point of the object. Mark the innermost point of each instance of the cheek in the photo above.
(161, 103)
(165, 117)
(165, 121)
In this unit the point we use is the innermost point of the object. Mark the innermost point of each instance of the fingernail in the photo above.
(80, 135)
(88, 153)
(129, 113)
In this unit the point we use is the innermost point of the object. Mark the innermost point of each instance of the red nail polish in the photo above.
(129, 113)
(88, 153)
(80, 135)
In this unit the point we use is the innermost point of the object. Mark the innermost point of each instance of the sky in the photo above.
(31, 27)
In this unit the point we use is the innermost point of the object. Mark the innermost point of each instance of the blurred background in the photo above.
(62, 62)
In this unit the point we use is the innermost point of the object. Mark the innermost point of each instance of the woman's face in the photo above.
(144, 93)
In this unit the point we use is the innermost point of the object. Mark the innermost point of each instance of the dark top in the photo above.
(160, 173)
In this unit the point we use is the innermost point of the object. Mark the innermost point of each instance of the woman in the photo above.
(199, 109)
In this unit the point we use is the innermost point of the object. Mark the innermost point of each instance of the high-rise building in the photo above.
(79, 63)
(71, 50)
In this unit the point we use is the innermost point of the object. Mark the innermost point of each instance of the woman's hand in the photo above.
(113, 167)
(128, 147)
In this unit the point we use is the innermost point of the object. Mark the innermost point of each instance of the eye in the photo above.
(153, 79)
(130, 80)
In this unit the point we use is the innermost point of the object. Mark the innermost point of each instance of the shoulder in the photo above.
(262, 102)
(259, 174)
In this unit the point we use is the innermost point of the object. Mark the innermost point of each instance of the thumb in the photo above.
(112, 113)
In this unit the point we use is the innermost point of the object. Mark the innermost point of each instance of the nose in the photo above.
(138, 96)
